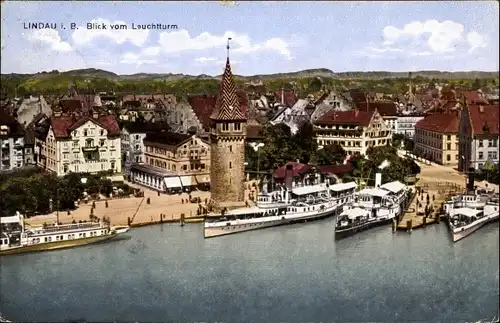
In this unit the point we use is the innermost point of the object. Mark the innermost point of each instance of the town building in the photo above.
(81, 142)
(174, 162)
(405, 123)
(479, 136)
(354, 130)
(228, 124)
(436, 137)
(14, 154)
(132, 141)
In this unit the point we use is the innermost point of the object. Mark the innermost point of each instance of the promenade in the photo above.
(136, 208)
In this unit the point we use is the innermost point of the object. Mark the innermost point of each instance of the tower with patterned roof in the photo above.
(227, 144)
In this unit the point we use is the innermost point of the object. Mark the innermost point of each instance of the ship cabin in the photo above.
(55, 233)
(251, 213)
(466, 201)
(371, 198)
(465, 216)
(352, 217)
(397, 191)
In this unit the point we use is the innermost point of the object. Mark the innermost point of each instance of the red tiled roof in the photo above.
(384, 108)
(298, 169)
(355, 117)
(167, 138)
(289, 97)
(63, 125)
(439, 122)
(254, 132)
(358, 96)
(487, 116)
(474, 97)
(203, 106)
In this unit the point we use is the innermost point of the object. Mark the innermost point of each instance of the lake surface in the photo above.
(294, 273)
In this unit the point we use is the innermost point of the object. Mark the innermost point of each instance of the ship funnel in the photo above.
(470, 180)
(289, 177)
(378, 179)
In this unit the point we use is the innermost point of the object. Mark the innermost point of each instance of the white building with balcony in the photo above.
(12, 148)
(88, 143)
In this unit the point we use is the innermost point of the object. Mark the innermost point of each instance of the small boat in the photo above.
(468, 212)
(16, 239)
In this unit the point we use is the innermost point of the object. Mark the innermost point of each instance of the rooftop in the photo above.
(440, 122)
(355, 117)
(167, 138)
(63, 125)
(484, 119)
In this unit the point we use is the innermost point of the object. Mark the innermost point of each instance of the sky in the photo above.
(266, 37)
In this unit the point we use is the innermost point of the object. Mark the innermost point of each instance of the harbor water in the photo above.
(296, 273)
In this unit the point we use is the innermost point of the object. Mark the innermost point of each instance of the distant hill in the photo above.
(320, 72)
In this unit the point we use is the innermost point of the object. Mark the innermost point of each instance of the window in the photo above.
(225, 127)
(448, 137)
(102, 132)
(113, 164)
(230, 148)
(66, 168)
(492, 155)
(448, 146)
(237, 126)
(184, 167)
(480, 143)
(85, 132)
(490, 143)
(101, 142)
(89, 143)
(230, 165)
(480, 155)
(448, 157)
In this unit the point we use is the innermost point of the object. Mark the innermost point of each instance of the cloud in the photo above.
(51, 38)
(430, 37)
(83, 36)
(476, 40)
(181, 41)
(205, 59)
(135, 59)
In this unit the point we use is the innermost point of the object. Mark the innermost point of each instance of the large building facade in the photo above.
(479, 136)
(436, 138)
(81, 143)
(355, 130)
(227, 144)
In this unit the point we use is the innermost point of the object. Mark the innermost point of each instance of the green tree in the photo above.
(305, 142)
(329, 155)
(397, 140)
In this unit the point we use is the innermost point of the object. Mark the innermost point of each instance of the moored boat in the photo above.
(311, 199)
(372, 207)
(469, 212)
(16, 238)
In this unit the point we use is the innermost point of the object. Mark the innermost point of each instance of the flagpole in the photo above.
(227, 47)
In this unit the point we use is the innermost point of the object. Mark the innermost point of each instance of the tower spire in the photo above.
(227, 47)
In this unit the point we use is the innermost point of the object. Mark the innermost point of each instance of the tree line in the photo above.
(35, 191)
(281, 146)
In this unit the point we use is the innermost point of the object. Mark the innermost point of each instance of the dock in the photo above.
(430, 197)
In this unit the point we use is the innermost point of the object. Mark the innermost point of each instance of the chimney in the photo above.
(378, 179)
(481, 108)
(95, 114)
(356, 113)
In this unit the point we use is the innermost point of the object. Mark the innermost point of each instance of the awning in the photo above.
(343, 186)
(202, 179)
(394, 187)
(354, 213)
(172, 182)
(467, 212)
(187, 181)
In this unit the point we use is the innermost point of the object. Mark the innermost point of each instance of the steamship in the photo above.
(16, 239)
(313, 199)
(372, 207)
(466, 213)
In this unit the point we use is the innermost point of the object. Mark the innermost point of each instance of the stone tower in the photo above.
(227, 145)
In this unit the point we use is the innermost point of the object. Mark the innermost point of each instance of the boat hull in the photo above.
(211, 232)
(57, 245)
(458, 234)
(344, 233)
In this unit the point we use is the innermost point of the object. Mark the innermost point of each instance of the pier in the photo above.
(426, 206)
